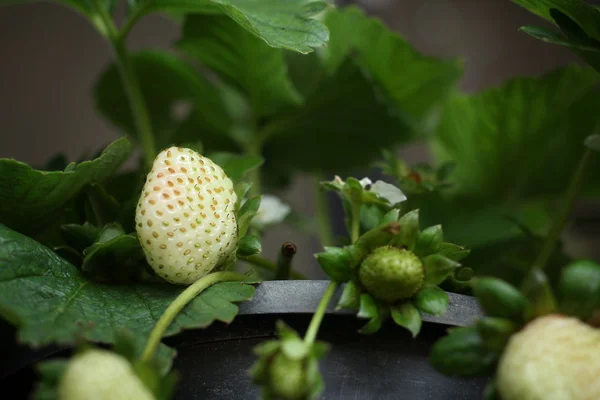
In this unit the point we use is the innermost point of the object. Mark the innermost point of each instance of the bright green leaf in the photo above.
(409, 230)
(431, 300)
(429, 241)
(438, 268)
(246, 213)
(54, 303)
(407, 316)
(417, 83)
(242, 59)
(249, 245)
(522, 139)
(288, 24)
(335, 262)
(350, 298)
(30, 197)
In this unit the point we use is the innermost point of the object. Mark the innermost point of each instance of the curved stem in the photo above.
(323, 216)
(313, 328)
(179, 303)
(263, 263)
(564, 212)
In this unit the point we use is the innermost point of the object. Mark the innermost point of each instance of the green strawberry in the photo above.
(555, 357)
(391, 274)
(101, 375)
(185, 218)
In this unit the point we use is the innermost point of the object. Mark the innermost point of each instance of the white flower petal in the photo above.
(271, 211)
(388, 192)
(365, 181)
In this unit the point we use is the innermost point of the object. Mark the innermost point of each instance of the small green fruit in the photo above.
(391, 274)
(287, 378)
(101, 375)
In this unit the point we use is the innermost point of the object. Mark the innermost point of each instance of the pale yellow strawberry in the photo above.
(554, 357)
(101, 375)
(185, 218)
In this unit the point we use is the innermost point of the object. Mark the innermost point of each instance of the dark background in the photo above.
(51, 57)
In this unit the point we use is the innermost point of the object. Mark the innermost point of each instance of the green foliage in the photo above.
(52, 302)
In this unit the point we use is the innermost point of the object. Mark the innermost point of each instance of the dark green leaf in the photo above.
(79, 236)
(235, 165)
(520, 125)
(249, 245)
(429, 241)
(496, 332)
(409, 230)
(415, 82)
(350, 298)
(500, 299)
(431, 300)
(553, 37)
(367, 242)
(453, 251)
(246, 213)
(581, 12)
(537, 289)
(289, 25)
(242, 59)
(29, 197)
(241, 189)
(104, 207)
(407, 316)
(52, 302)
(340, 111)
(335, 262)
(579, 288)
(438, 268)
(463, 353)
(167, 82)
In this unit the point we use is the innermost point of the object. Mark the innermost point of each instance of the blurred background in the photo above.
(51, 57)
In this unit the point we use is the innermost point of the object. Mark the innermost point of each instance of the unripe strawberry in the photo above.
(554, 357)
(185, 218)
(101, 375)
(288, 380)
(391, 274)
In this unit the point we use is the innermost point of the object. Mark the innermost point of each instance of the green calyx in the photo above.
(288, 377)
(391, 274)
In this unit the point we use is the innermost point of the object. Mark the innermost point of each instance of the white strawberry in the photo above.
(554, 357)
(185, 218)
(101, 375)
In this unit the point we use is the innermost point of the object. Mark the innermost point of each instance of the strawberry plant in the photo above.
(109, 261)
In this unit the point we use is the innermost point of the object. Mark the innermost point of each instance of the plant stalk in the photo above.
(180, 302)
(284, 261)
(263, 263)
(564, 212)
(315, 323)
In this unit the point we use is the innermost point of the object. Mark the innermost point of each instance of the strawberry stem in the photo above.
(315, 323)
(564, 212)
(263, 263)
(179, 303)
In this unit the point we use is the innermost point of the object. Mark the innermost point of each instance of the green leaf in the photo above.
(246, 213)
(463, 353)
(368, 241)
(536, 288)
(104, 207)
(431, 300)
(417, 83)
(579, 288)
(340, 111)
(370, 309)
(335, 262)
(584, 14)
(79, 236)
(553, 37)
(500, 299)
(350, 298)
(249, 245)
(167, 82)
(116, 258)
(30, 197)
(242, 59)
(496, 332)
(236, 166)
(409, 230)
(407, 316)
(288, 25)
(50, 373)
(438, 268)
(53, 302)
(429, 241)
(453, 251)
(516, 141)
